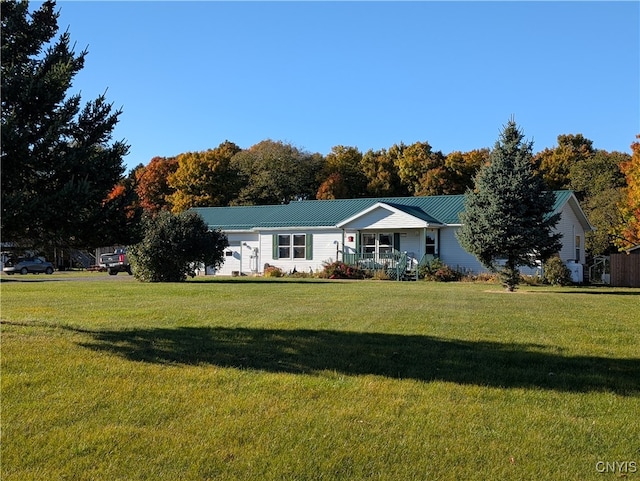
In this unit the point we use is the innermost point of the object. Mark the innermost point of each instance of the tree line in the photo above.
(275, 172)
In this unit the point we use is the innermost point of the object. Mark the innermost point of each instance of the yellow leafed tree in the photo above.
(629, 231)
(204, 179)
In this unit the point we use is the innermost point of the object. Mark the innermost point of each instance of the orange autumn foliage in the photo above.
(629, 231)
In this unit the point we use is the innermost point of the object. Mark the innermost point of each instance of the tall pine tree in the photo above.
(58, 162)
(507, 221)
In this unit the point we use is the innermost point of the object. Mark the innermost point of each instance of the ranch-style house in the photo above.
(395, 233)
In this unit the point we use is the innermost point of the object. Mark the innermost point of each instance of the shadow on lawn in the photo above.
(396, 356)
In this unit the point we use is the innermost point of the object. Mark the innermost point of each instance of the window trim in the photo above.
(431, 234)
(389, 248)
(303, 245)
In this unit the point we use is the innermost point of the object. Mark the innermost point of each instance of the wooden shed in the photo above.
(625, 268)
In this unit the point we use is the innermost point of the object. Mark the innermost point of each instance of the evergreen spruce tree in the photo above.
(58, 162)
(507, 221)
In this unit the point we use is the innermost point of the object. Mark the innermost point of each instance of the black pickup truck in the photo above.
(116, 262)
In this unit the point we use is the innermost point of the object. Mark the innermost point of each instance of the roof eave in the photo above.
(582, 217)
(295, 227)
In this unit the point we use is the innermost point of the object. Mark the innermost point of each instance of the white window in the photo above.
(377, 245)
(431, 244)
(368, 243)
(284, 246)
(292, 246)
(385, 243)
(299, 246)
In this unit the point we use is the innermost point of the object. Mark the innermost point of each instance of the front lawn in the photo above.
(109, 379)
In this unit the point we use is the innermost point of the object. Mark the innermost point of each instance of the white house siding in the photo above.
(453, 255)
(242, 247)
(570, 227)
(324, 250)
(350, 241)
(411, 241)
(385, 220)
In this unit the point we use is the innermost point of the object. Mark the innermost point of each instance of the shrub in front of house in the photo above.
(301, 275)
(172, 244)
(531, 280)
(446, 274)
(381, 275)
(481, 278)
(556, 272)
(340, 270)
(438, 271)
(273, 271)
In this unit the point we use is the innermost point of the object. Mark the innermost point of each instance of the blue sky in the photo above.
(190, 75)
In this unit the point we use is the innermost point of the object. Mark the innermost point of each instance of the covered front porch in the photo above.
(390, 237)
(397, 253)
(400, 266)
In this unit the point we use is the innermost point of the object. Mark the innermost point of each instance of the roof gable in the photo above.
(567, 197)
(382, 215)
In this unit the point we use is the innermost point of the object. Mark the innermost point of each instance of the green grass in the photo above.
(110, 379)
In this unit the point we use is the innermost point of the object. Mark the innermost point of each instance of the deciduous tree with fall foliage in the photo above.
(153, 186)
(379, 167)
(205, 179)
(343, 175)
(420, 168)
(628, 231)
(555, 163)
(274, 172)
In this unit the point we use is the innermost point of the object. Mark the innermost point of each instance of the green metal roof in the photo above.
(437, 209)
(562, 196)
(237, 218)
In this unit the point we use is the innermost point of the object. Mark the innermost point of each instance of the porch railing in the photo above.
(397, 265)
(394, 264)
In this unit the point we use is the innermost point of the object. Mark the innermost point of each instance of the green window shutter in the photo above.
(396, 241)
(274, 254)
(357, 242)
(309, 246)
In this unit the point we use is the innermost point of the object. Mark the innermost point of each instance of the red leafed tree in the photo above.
(153, 186)
(333, 187)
